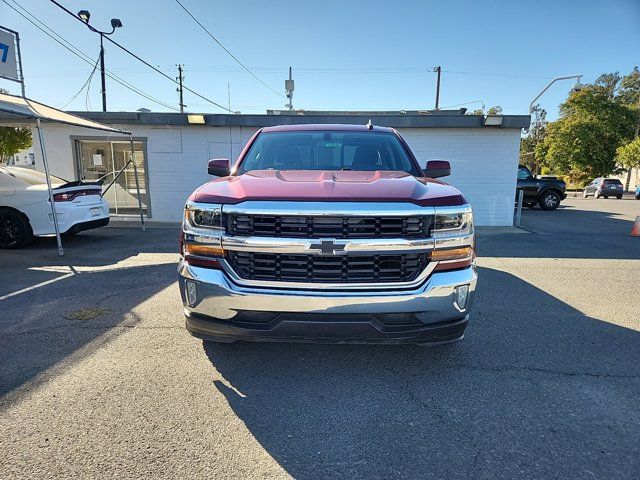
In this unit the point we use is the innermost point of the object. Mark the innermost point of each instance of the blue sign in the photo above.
(4, 49)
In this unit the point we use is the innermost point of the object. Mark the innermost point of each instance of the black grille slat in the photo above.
(330, 269)
(328, 227)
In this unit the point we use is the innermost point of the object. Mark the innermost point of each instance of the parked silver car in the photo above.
(604, 187)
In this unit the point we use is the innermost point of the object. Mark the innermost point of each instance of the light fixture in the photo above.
(192, 293)
(493, 121)
(462, 294)
(84, 15)
(196, 119)
(116, 23)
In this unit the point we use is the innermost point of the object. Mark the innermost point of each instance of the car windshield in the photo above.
(327, 150)
(32, 177)
(612, 180)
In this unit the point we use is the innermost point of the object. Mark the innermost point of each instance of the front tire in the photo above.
(15, 231)
(584, 193)
(549, 201)
(619, 197)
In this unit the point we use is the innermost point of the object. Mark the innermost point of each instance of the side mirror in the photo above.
(219, 167)
(437, 168)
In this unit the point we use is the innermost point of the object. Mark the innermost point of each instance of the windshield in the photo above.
(32, 177)
(327, 150)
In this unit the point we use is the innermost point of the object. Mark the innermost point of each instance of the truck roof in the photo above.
(310, 127)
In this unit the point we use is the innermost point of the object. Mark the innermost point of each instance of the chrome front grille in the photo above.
(339, 227)
(328, 269)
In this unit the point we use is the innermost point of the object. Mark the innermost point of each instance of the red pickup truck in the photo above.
(327, 233)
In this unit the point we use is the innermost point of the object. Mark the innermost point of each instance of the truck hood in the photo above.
(329, 186)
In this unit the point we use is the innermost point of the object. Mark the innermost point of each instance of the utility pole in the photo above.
(288, 88)
(438, 70)
(179, 89)
(102, 76)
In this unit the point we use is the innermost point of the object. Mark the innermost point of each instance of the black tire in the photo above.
(15, 231)
(596, 194)
(619, 197)
(585, 194)
(549, 200)
(529, 204)
(606, 197)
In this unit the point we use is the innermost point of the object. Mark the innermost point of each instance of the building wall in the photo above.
(483, 161)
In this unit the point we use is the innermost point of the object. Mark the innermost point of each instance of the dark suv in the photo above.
(604, 187)
(547, 192)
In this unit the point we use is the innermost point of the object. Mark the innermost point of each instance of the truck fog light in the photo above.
(192, 293)
(462, 294)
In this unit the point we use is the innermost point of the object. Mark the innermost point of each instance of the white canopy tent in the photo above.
(18, 111)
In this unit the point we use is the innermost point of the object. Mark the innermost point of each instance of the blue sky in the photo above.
(346, 55)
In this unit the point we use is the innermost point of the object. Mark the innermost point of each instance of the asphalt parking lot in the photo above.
(98, 377)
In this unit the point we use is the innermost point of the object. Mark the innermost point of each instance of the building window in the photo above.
(100, 160)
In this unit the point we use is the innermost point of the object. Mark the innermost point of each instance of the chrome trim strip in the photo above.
(329, 209)
(278, 285)
(310, 246)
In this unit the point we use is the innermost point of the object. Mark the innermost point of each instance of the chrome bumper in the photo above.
(219, 301)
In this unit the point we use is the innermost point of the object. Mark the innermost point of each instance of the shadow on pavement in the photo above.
(567, 232)
(49, 327)
(550, 394)
(39, 262)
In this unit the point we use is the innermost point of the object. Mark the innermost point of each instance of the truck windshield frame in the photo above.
(328, 150)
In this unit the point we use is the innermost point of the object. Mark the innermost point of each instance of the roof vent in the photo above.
(370, 125)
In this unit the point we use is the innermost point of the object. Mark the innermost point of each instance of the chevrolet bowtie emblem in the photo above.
(327, 247)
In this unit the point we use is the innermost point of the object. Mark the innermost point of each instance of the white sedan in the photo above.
(25, 210)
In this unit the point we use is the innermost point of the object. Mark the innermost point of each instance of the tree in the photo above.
(629, 95)
(495, 110)
(593, 123)
(12, 140)
(629, 157)
(531, 154)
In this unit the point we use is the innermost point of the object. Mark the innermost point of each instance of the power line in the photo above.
(225, 48)
(140, 59)
(81, 55)
(86, 83)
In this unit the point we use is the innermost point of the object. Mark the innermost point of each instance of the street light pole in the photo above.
(84, 15)
(577, 87)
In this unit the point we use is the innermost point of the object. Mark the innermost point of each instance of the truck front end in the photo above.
(350, 270)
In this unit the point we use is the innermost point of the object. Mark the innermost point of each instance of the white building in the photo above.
(24, 158)
(172, 153)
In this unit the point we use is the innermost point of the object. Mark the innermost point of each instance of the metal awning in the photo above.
(18, 111)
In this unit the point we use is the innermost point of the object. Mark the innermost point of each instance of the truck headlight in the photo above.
(453, 221)
(204, 216)
(202, 231)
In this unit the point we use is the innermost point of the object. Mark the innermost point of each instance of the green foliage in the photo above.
(495, 110)
(593, 123)
(629, 155)
(531, 152)
(12, 140)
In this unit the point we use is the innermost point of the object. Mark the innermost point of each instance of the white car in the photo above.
(25, 210)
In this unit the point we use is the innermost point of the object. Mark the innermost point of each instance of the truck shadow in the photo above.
(536, 389)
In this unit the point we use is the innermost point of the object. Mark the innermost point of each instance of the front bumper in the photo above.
(224, 311)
